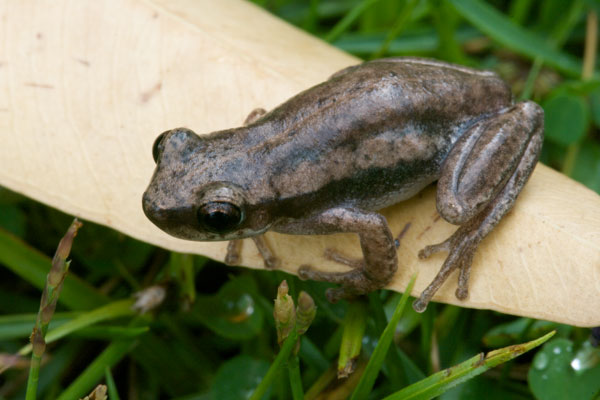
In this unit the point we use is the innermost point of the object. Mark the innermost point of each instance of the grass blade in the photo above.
(511, 35)
(95, 371)
(50, 295)
(348, 19)
(438, 383)
(32, 266)
(113, 310)
(354, 325)
(280, 360)
(113, 394)
(372, 370)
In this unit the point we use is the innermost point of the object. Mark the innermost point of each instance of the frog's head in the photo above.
(188, 197)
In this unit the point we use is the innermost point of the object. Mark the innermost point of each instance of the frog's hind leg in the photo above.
(480, 181)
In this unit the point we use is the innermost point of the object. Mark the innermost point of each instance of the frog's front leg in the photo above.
(479, 183)
(379, 251)
(234, 248)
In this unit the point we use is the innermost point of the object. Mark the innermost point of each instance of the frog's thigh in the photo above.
(484, 158)
(377, 243)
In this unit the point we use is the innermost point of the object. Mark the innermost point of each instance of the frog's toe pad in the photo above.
(272, 262)
(305, 272)
(420, 305)
(232, 259)
(462, 293)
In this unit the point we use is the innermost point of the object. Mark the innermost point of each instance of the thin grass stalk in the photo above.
(50, 294)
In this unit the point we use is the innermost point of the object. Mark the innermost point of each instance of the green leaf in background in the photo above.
(438, 383)
(513, 331)
(12, 218)
(566, 118)
(232, 313)
(488, 389)
(238, 378)
(595, 106)
(587, 165)
(552, 377)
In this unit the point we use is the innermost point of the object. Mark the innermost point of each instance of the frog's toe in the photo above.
(334, 255)
(434, 248)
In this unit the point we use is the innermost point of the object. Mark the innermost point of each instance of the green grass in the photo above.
(214, 336)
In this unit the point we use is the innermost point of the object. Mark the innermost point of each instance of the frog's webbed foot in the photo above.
(234, 248)
(461, 248)
(479, 183)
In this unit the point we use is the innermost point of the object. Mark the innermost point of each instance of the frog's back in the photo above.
(373, 134)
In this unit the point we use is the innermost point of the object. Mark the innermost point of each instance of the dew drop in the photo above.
(556, 350)
(586, 358)
(239, 309)
(541, 361)
(576, 364)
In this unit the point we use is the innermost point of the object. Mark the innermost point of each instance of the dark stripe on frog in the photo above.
(365, 186)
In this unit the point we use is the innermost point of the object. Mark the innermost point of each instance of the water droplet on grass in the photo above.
(541, 361)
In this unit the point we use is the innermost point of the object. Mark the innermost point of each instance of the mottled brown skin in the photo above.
(327, 159)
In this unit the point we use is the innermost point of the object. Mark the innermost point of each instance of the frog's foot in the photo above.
(376, 241)
(354, 283)
(270, 260)
(234, 249)
(461, 247)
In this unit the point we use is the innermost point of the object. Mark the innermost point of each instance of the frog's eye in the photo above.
(156, 146)
(219, 216)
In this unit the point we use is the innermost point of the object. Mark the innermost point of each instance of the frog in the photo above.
(327, 160)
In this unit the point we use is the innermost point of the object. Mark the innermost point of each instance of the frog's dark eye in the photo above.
(156, 146)
(219, 216)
